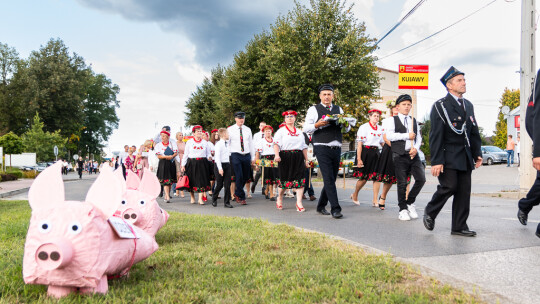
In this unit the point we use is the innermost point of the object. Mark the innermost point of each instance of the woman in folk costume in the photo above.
(369, 139)
(166, 151)
(265, 151)
(178, 159)
(290, 151)
(195, 164)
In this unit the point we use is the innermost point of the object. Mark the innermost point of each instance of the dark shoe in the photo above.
(312, 197)
(273, 199)
(464, 232)
(429, 222)
(522, 217)
(323, 212)
(161, 194)
(214, 203)
(267, 197)
(242, 202)
(337, 215)
(228, 206)
(538, 231)
(304, 196)
(253, 188)
(236, 198)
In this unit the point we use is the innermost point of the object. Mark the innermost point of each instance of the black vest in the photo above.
(332, 131)
(398, 146)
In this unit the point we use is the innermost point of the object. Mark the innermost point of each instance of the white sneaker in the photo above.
(412, 211)
(404, 215)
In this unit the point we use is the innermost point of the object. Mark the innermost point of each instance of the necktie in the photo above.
(406, 124)
(328, 108)
(241, 140)
(462, 103)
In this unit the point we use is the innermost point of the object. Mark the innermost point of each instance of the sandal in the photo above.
(355, 202)
(201, 202)
(381, 206)
(279, 205)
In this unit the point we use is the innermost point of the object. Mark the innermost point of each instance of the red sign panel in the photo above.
(516, 122)
(413, 77)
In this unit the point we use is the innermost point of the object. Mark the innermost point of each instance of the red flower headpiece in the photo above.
(268, 127)
(289, 112)
(165, 132)
(215, 130)
(195, 128)
(375, 110)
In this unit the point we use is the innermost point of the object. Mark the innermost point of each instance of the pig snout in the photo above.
(131, 215)
(55, 254)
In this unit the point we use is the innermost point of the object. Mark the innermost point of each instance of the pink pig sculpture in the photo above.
(70, 245)
(138, 205)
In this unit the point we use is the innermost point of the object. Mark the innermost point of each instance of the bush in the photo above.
(6, 177)
(0, 178)
(30, 174)
(16, 172)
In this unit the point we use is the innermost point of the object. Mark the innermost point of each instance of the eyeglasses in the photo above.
(289, 116)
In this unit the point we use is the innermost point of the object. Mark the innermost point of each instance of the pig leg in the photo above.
(102, 287)
(60, 291)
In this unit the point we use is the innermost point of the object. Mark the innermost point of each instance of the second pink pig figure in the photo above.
(70, 245)
(138, 204)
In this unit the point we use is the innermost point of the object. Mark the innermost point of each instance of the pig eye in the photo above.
(143, 203)
(123, 202)
(74, 228)
(44, 226)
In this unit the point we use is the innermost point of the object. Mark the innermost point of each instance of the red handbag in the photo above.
(183, 183)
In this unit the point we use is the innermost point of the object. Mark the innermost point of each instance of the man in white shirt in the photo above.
(242, 154)
(326, 140)
(222, 169)
(404, 133)
(123, 155)
(256, 138)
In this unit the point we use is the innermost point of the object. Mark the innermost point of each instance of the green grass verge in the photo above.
(212, 259)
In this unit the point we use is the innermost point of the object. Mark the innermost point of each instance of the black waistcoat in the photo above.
(332, 131)
(398, 146)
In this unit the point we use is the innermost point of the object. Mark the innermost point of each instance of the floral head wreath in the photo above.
(390, 104)
(268, 127)
(375, 110)
(289, 113)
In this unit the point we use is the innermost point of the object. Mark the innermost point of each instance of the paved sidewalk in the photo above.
(11, 188)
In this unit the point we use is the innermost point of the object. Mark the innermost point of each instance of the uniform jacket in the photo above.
(532, 125)
(447, 147)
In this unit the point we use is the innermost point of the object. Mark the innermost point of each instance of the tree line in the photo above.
(282, 67)
(54, 98)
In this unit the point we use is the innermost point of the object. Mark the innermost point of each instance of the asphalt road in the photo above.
(500, 264)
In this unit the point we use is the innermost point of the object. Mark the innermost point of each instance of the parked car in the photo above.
(348, 156)
(493, 154)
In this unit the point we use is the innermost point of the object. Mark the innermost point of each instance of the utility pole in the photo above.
(527, 173)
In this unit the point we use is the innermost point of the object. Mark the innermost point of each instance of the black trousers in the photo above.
(456, 183)
(242, 165)
(222, 181)
(533, 196)
(406, 166)
(329, 159)
(124, 171)
(79, 170)
(309, 187)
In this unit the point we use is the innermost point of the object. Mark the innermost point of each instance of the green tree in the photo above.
(11, 143)
(100, 117)
(323, 44)
(12, 112)
(424, 131)
(204, 104)
(42, 142)
(509, 98)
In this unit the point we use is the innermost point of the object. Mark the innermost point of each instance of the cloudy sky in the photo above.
(158, 51)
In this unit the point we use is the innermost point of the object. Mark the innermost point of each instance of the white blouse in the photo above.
(265, 147)
(196, 150)
(160, 148)
(287, 139)
(370, 136)
(211, 147)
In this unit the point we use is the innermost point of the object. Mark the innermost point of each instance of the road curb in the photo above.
(24, 189)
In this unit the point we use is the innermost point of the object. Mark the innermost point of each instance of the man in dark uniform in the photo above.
(532, 125)
(326, 139)
(454, 141)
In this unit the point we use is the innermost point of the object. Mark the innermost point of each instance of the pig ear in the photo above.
(47, 190)
(132, 180)
(150, 184)
(119, 174)
(105, 194)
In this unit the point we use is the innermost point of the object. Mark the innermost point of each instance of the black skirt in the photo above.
(211, 173)
(292, 168)
(166, 172)
(370, 158)
(386, 171)
(270, 174)
(198, 174)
